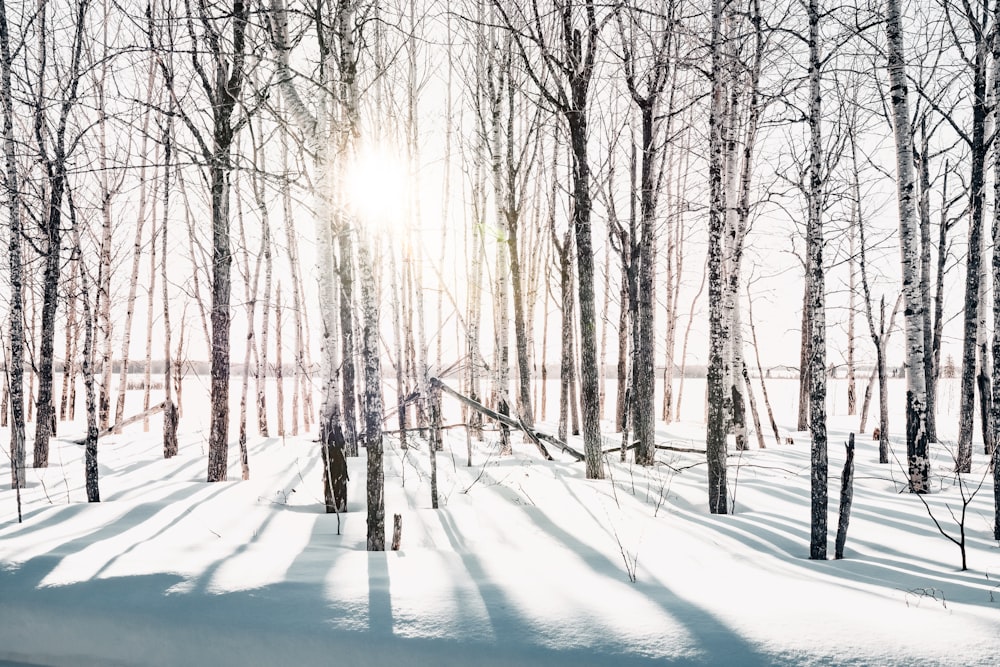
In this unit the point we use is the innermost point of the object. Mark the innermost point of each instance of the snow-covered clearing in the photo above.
(526, 562)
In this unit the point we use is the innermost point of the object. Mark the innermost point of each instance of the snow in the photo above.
(525, 563)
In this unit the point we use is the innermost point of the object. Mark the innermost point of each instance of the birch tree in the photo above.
(558, 47)
(317, 126)
(916, 401)
(219, 54)
(816, 290)
(15, 328)
(646, 87)
(715, 444)
(996, 288)
(53, 144)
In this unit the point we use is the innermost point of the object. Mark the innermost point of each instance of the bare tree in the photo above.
(647, 87)
(816, 289)
(996, 288)
(715, 443)
(916, 400)
(219, 53)
(53, 145)
(15, 364)
(559, 49)
(91, 473)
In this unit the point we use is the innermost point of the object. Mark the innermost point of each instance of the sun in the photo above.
(377, 187)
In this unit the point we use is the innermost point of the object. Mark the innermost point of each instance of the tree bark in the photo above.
(55, 164)
(170, 416)
(996, 290)
(372, 401)
(715, 444)
(817, 303)
(916, 395)
(846, 498)
(15, 320)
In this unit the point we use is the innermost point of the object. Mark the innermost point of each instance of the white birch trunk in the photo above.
(816, 302)
(916, 400)
(715, 444)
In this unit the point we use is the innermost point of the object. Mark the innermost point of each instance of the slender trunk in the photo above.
(983, 367)
(137, 250)
(104, 273)
(605, 324)
(585, 285)
(398, 341)
(90, 444)
(261, 370)
(71, 343)
(802, 423)
(154, 268)
(218, 439)
(996, 289)
(44, 410)
(55, 164)
(687, 337)
(521, 336)
(348, 383)
(170, 416)
(715, 444)
(372, 401)
(924, 209)
(15, 320)
(916, 394)
(251, 285)
(883, 401)
(760, 370)
(867, 400)
(279, 370)
(817, 303)
(623, 349)
(566, 366)
(942, 259)
(745, 375)
(852, 400)
(644, 351)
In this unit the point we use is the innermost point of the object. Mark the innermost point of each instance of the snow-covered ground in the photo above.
(525, 563)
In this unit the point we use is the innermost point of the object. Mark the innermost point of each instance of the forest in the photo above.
(391, 230)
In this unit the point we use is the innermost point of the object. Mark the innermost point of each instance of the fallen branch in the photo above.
(128, 421)
(670, 448)
(535, 436)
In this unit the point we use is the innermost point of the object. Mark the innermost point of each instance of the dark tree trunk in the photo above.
(589, 385)
(566, 366)
(643, 348)
(372, 402)
(334, 471)
(924, 208)
(346, 270)
(817, 304)
(520, 330)
(90, 444)
(883, 391)
(218, 438)
(715, 444)
(44, 407)
(996, 290)
(170, 416)
(54, 163)
(229, 83)
(846, 498)
(973, 262)
(16, 317)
